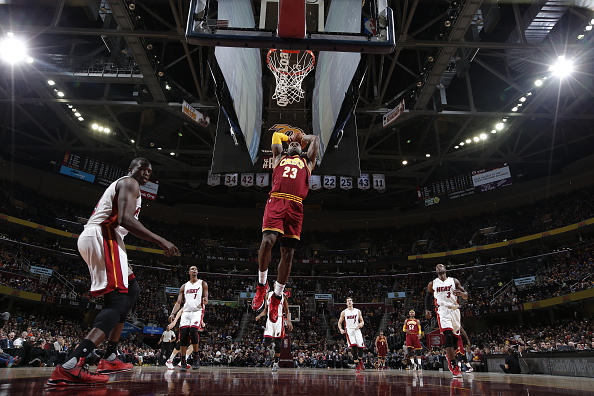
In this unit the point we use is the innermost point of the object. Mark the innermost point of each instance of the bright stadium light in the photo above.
(538, 83)
(499, 126)
(94, 127)
(12, 50)
(562, 68)
(476, 139)
(468, 140)
(483, 136)
(404, 162)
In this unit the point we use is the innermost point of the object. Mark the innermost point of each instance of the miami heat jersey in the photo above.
(106, 212)
(443, 292)
(351, 318)
(411, 326)
(290, 179)
(193, 296)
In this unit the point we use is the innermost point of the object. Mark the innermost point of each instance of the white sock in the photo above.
(263, 277)
(419, 361)
(278, 289)
(175, 352)
(70, 363)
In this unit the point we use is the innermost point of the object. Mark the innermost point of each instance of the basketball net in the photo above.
(289, 69)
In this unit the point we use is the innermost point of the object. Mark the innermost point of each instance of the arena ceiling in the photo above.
(129, 70)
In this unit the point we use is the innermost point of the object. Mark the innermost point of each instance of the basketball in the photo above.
(298, 137)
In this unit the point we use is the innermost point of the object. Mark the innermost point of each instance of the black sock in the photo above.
(112, 347)
(84, 349)
(276, 359)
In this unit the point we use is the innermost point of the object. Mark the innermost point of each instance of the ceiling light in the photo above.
(522, 99)
(51, 82)
(132, 141)
(461, 144)
(61, 94)
(106, 130)
(538, 83)
(493, 131)
(514, 109)
(483, 136)
(456, 147)
(70, 106)
(427, 155)
(505, 119)
(77, 114)
(172, 153)
(404, 162)
(580, 37)
(159, 148)
(562, 68)
(73, 109)
(476, 139)
(468, 140)
(81, 119)
(28, 59)
(588, 28)
(100, 129)
(499, 126)
(12, 50)
(94, 127)
(529, 94)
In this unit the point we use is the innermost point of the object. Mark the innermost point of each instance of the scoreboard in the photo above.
(463, 185)
(90, 169)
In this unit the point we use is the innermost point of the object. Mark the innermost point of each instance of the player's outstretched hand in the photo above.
(169, 248)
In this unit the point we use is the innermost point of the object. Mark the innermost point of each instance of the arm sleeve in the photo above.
(279, 138)
(428, 298)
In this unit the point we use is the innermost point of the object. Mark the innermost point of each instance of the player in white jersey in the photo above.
(444, 291)
(102, 247)
(353, 323)
(194, 296)
(275, 331)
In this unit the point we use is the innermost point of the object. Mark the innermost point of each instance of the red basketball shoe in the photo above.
(79, 375)
(456, 372)
(260, 297)
(112, 367)
(273, 309)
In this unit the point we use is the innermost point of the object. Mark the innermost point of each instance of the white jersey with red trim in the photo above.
(443, 293)
(351, 318)
(193, 296)
(106, 212)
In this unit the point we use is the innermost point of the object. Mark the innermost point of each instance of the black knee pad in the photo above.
(451, 341)
(194, 335)
(184, 336)
(277, 345)
(116, 308)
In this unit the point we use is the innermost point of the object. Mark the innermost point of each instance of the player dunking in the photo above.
(275, 331)
(283, 216)
(194, 295)
(381, 348)
(354, 321)
(412, 328)
(101, 245)
(444, 291)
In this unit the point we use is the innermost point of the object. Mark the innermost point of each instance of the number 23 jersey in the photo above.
(290, 179)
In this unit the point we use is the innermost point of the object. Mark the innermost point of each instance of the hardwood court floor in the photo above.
(260, 381)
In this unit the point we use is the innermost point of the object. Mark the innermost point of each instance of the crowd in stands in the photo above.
(377, 244)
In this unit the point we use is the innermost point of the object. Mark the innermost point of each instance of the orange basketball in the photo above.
(298, 137)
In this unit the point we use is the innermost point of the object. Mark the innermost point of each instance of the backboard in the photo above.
(208, 25)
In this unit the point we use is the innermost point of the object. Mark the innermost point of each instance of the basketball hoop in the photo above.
(289, 69)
